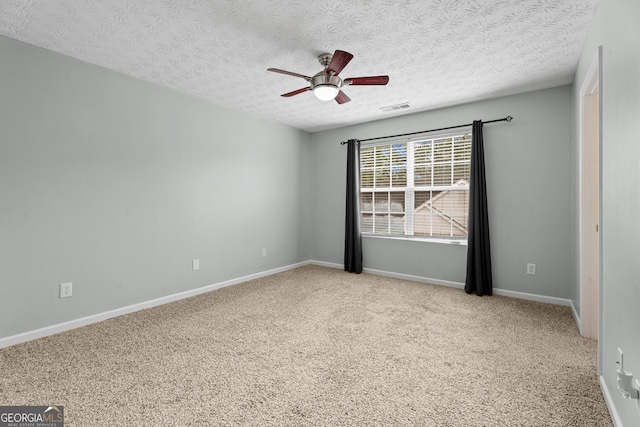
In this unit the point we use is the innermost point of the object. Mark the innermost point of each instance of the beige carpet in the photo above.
(318, 347)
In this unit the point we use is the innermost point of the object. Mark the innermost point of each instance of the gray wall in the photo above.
(529, 189)
(615, 28)
(115, 184)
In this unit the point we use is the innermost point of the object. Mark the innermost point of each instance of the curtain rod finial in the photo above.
(357, 141)
(508, 118)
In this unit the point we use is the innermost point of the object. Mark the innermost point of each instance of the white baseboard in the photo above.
(615, 418)
(415, 278)
(94, 318)
(326, 264)
(533, 297)
(576, 317)
(395, 275)
(458, 285)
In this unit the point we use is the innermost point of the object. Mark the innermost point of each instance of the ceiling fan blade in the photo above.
(289, 73)
(342, 97)
(339, 60)
(372, 80)
(296, 92)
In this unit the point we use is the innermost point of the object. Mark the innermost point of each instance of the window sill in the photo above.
(458, 242)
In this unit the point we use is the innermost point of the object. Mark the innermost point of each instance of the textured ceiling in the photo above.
(436, 52)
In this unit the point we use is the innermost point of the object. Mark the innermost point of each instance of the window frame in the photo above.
(410, 189)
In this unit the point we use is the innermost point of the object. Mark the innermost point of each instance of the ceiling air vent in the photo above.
(396, 107)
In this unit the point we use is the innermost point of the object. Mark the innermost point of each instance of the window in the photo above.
(417, 188)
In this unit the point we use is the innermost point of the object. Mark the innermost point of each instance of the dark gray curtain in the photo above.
(352, 232)
(479, 250)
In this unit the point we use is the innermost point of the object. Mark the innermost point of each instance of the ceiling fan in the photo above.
(326, 84)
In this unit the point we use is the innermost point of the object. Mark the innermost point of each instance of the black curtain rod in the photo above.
(506, 119)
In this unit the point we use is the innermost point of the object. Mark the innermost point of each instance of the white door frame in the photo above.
(590, 91)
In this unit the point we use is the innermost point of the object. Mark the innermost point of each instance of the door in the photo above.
(590, 173)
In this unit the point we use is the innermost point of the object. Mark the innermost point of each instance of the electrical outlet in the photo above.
(66, 290)
(531, 269)
(620, 360)
(195, 264)
(264, 252)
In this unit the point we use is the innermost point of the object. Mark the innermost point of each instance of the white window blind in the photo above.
(416, 188)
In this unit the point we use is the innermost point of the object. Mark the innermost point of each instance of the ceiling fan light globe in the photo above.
(326, 92)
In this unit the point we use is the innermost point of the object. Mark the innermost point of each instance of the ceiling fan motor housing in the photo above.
(323, 79)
